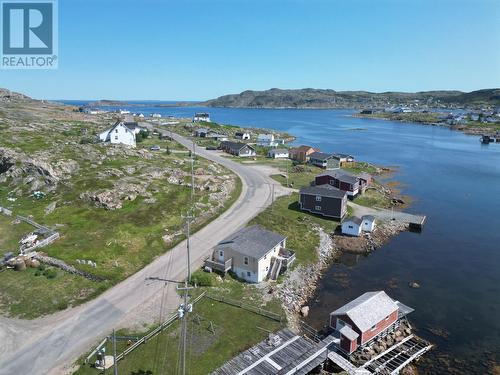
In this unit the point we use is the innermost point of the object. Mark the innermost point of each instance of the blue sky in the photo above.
(193, 50)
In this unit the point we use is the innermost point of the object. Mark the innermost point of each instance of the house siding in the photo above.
(380, 326)
(330, 206)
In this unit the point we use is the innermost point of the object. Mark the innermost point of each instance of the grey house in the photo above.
(253, 254)
(327, 161)
(323, 200)
(237, 148)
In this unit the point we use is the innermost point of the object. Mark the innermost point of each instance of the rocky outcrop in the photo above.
(35, 172)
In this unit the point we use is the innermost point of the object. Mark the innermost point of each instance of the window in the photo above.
(245, 260)
(116, 137)
(374, 328)
(248, 274)
(265, 256)
(116, 130)
(388, 316)
(267, 268)
(318, 198)
(317, 208)
(351, 227)
(332, 182)
(221, 253)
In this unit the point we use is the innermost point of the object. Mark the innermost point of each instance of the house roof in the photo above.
(323, 190)
(202, 130)
(344, 156)
(341, 175)
(236, 146)
(349, 333)
(368, 309)
(354, 219)
(322, 156)
(368, 217)
(278, 151)
(254, 241)
(241, 133)
(302, 148)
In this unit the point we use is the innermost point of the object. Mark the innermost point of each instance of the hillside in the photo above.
(325, 98)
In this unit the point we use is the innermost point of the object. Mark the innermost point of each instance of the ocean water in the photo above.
(455, 181)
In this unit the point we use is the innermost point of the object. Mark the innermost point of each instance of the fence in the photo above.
(146, 338)
(34, 223)
(54, 236)
(245, 306)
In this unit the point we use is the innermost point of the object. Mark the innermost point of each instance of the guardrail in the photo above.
(245, 306)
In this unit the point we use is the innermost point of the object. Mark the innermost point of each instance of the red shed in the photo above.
(364, 318)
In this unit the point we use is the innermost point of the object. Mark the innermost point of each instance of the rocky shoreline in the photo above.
(298, 288)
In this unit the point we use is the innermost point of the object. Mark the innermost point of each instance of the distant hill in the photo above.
(325, 98)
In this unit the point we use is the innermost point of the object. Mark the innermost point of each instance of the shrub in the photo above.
(50, 273)
(202, 278)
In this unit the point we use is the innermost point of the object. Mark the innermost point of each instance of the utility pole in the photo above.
(286, 163)
(192, 183)
(115, 365)
(185, 308)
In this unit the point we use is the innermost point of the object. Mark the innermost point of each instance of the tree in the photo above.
(168, 151)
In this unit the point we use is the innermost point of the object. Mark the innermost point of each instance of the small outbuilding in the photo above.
(368, 223)
(244, 136)
(352, 226)
(278, 153)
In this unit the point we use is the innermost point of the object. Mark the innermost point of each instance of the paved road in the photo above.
(58, 340)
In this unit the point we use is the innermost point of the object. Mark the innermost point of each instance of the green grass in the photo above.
(286, 218)
(373, 198)
(29, 294)
(235, 331)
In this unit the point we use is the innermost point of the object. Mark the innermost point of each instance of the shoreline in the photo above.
(464, 129)
(299, 287)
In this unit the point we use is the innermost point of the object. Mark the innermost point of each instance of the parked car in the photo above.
(155, 148)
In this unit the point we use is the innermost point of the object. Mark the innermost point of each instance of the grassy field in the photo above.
(285, 217)
(235, 331)
(120, 241)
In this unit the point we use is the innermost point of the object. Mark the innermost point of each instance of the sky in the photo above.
(201, 49)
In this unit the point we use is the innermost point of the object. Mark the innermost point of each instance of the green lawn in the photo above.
(235, 331)
(285, 217)
(373, 198)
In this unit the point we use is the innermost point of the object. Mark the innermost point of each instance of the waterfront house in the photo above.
(278, 153)
(301, 153)
(244, 136)
(323, 160)
(368, 223)
(253, 254)
(267, 140)
(323, 200)
(121, 133)
(123, 111)
(155, 115)
(201, 117)
(366, 318)
(345, 159)
(201, 133)
(237, 148)
(345, 181)
(352, 226)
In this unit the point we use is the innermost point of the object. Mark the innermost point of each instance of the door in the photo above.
(221, 255)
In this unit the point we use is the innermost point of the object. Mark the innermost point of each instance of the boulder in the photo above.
(414, 285)
(304, 311)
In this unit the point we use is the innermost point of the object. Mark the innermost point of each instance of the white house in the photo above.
(253, 254)
(368, 223)
(155, 115)
(266, 140)
(352, 226)
(278, 153)
(140, 115)
(205, 117)
(242, 135)
(121, 133)
(123, 111)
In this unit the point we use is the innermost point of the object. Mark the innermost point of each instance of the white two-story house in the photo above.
(253, 254)
(121, 133)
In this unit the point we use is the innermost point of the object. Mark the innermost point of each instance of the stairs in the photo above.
(275, 268)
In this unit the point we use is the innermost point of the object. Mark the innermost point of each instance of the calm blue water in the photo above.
(456, 182)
